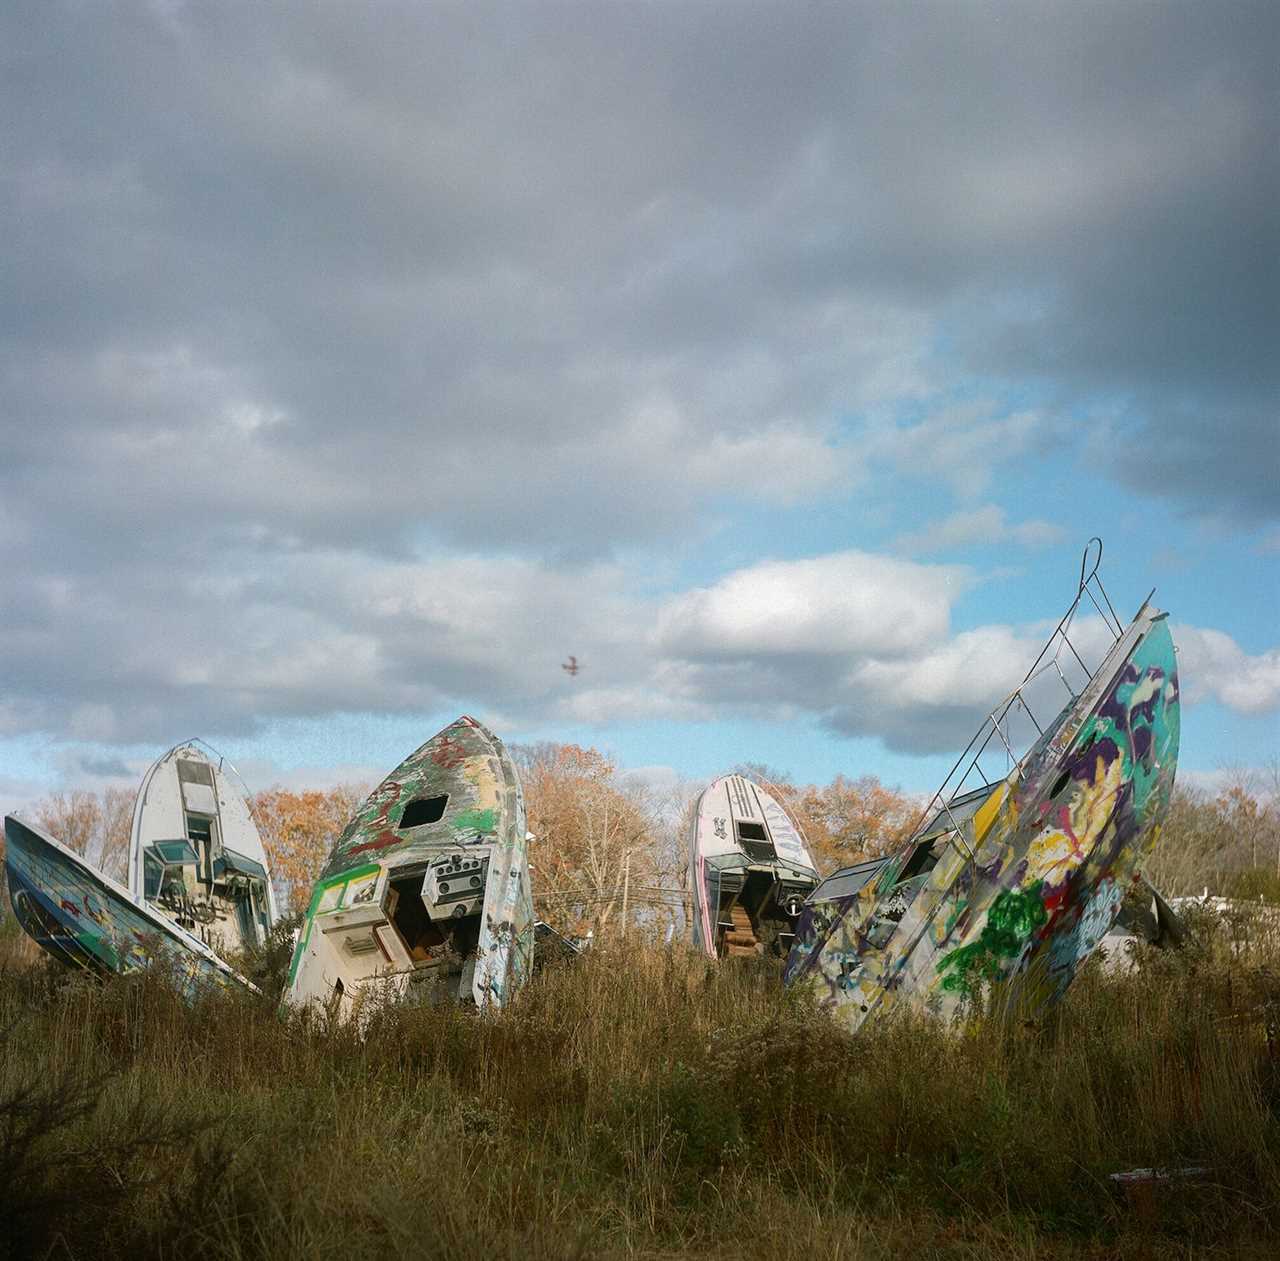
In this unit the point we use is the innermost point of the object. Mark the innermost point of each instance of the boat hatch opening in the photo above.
(894, 905)
(201, 830)
(922, 861)
(423, 810)
(198, 792)
(756, 895)
(409, 917)
(755, 840)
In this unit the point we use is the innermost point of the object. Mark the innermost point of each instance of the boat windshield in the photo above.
(957, 812)
(232, 863)
(840, 884)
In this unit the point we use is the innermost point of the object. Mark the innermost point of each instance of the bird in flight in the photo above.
(571, 666)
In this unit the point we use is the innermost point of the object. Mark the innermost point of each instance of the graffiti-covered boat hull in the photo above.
(1019, 881)
(749, 871)
(426, 893)
(85, 919)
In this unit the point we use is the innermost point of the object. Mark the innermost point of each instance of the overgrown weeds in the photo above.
(645, 1103)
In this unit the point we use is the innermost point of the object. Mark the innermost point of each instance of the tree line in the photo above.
(610, 850)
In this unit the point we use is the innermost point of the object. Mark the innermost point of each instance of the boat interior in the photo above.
(421, 921)
(757, 908)
(215, 893)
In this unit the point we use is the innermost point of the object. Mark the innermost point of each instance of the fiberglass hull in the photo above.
(749, 870)
(426, 892)
(85, 919)
(1032, 883)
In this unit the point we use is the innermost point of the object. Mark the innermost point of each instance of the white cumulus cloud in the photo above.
(842, 603)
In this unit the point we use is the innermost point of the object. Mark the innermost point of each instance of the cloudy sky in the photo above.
(359, 363)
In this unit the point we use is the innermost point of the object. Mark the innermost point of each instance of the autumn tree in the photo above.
(96, 825)
(595, 836)
(849, 820)
(298, 830)
(1227, 842)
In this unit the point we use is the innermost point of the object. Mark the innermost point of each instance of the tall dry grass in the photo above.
(645, 1103)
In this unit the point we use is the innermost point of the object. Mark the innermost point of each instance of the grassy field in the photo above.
(643, 1103)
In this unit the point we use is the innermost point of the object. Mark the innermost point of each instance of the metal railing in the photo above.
(996, 726)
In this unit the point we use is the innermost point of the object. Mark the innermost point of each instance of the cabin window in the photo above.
(423, 810)
(840, 884)
(174, 851)
(958, 811)
(232, 864)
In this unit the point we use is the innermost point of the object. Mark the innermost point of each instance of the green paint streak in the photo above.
(1013, 917)
(322, 887)
(476, 821)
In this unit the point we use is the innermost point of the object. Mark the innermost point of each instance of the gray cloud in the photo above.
(860, 642)
(294, 299)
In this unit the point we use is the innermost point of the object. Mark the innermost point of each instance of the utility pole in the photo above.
(626, 888)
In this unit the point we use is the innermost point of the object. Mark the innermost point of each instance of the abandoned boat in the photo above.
(1013, 879)
(199, 887)
(195, 855)
(87, 920)
(749, 871)
(426, 894)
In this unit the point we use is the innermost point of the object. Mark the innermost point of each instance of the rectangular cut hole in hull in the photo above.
(423, 810)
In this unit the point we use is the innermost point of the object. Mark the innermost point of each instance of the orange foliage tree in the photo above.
(298, 830)
(849, 820)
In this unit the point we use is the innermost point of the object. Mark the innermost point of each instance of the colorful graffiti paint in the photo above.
(86, 920)
(426, 892)
(1016, 882)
